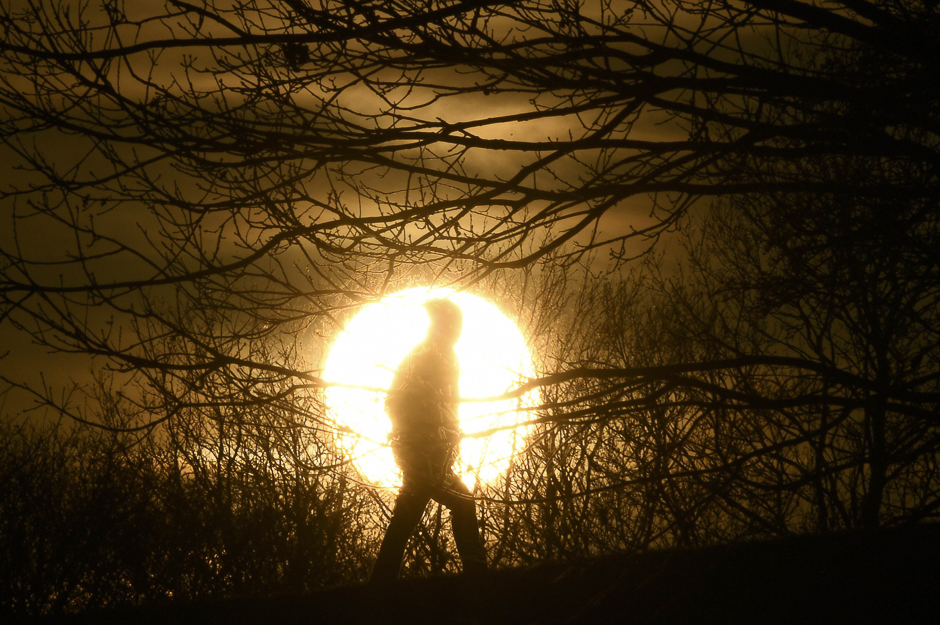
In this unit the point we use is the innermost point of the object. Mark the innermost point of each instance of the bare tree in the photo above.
(847, 284)
(278, 161)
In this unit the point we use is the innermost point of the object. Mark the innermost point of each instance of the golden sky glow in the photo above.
(493, 357)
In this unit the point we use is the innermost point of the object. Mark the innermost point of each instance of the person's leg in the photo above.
(409, 506)
(463, 513)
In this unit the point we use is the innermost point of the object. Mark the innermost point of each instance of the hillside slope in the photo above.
(890, 576)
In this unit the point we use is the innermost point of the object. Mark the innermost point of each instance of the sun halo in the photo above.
(494, 359)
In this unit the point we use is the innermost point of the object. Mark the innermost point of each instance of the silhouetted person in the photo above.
(422, 405)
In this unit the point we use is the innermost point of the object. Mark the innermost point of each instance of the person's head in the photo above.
(446, 321)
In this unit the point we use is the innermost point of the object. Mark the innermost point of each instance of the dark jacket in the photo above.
(423, 399)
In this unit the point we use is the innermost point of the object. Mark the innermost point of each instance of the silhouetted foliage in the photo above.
(94, 519)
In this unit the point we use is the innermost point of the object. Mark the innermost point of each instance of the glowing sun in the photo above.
(493, 357)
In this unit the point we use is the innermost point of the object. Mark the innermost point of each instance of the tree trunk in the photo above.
(877, 463)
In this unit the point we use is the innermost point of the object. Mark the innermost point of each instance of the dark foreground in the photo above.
(889, 576)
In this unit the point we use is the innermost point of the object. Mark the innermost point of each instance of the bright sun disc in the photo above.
(493, 358)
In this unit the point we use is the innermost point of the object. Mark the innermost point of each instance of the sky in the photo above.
(45, 241)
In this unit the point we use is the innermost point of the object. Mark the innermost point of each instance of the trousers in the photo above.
(416, 492)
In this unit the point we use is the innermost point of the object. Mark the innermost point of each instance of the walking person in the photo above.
(422, 405)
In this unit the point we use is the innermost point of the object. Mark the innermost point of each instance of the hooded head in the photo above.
(446, 321)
